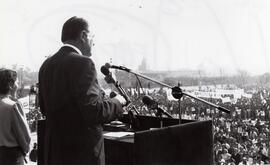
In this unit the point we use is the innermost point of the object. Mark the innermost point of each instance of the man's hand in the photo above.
(121, 99)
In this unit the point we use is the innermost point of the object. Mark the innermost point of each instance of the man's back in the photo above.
(69, 137)
(58, 80)
(71, 100)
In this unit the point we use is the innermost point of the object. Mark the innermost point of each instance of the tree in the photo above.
(26, 77)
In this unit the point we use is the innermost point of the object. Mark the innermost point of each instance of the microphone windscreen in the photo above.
(105, 70)
(107, 65)
(147, 100)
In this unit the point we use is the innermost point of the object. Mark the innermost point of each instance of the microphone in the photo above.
(105, 70)
(109, 79)
(108, 75)
(117, 67)
(150, 102)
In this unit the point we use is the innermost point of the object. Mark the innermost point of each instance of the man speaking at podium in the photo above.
(71, 99)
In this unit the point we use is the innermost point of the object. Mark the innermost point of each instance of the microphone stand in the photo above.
(177, 92)
(109, 79)
(124, 94)
(133, 122)
(159, 113)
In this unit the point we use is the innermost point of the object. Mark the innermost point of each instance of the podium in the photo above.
(189, 143)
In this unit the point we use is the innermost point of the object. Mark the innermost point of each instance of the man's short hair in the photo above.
(7, 80)
(72, 28)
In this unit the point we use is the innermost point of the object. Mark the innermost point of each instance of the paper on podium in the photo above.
(118, 134)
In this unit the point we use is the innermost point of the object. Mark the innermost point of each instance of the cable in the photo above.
(140, 84)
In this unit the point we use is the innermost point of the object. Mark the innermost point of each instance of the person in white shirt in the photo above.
(14, 130)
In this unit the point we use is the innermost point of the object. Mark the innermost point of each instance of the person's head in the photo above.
(76, 31)
(8, 81)
(35, 145)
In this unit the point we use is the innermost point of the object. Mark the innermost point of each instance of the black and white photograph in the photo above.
(135, 82)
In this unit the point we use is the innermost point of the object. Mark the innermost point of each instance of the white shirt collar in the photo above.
(74, 47)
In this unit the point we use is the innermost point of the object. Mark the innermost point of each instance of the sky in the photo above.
(216, 36)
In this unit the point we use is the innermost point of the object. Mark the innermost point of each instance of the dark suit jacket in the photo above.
(70, 98)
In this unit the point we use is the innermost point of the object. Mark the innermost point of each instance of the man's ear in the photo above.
(83, 36)
(11, 87)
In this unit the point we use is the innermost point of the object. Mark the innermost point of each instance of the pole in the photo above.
(179, 93)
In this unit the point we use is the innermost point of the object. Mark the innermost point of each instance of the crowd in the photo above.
(32, 117)
(240, 138)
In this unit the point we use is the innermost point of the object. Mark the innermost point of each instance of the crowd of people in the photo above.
(241, 137)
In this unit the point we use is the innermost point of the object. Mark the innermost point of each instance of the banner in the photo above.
(24, 101)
